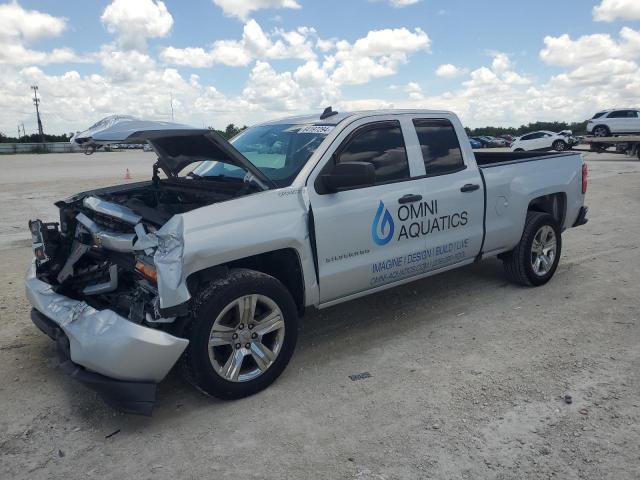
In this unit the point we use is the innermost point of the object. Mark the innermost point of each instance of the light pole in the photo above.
(36, 102)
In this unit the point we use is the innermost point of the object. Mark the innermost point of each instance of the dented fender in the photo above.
(228, 231)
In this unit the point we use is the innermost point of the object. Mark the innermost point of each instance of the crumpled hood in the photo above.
(177, 145)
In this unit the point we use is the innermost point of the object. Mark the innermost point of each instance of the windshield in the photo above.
(278, 151)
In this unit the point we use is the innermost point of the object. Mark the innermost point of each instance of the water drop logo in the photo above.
(382, 226)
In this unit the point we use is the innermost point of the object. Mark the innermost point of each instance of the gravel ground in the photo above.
(467, 372)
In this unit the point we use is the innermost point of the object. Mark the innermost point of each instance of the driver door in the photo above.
(360, 243)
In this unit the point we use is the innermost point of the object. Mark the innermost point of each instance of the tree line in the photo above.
(35, 138)
(578, 128)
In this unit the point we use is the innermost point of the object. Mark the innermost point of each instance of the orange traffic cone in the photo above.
(127, 175)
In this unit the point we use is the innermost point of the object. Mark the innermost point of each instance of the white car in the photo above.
(541, 140)
(610, 122)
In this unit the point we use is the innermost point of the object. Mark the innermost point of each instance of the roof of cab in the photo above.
(340, 116)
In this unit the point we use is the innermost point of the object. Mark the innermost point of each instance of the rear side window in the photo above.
(439, 144)
(382, 144)
(533, 136)
(623, 114)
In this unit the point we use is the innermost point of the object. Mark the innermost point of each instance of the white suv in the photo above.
(608, 122)
(542, 140)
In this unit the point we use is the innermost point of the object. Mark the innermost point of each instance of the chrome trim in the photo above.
(112, 209)
(103, 341)
(118, 242)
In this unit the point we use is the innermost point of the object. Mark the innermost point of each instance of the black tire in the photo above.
(601, 131)
(517, 263)
(519, 150)
(211, 300)
(559, 146)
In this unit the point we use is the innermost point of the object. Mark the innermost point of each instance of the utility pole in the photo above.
(24, 133)
(36, 102)
(18, 132)
(171, 93)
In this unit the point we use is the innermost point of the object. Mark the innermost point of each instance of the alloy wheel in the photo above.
(246, 338)
(543, 250)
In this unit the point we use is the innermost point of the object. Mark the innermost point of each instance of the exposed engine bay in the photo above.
(93, 254)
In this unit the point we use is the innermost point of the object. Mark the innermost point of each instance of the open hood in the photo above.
(177, 145)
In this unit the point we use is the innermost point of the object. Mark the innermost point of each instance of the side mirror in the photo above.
(349, 175)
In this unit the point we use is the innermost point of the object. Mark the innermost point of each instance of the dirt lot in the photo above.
(467, 371)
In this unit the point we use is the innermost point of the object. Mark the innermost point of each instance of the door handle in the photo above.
(410, 198)
(470, 187)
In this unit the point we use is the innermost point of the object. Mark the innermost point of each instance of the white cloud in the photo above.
(28, 25)
(20, 27)
(363, 104)
(610, 10)
(191, 57)
(254, 44)
(414, 90)
(380, 53)
(133, 21)
(449, 71)
(565, 52)
(402, 3)
(242, 8)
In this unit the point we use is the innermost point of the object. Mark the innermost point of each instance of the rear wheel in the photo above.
(559, 146)
(536, 257)
(601, 131)
(242, 335)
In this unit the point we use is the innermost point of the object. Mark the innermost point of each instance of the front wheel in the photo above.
(535, 259)
(559, 146)
(242, 336)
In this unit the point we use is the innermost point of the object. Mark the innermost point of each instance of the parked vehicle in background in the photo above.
(541, 140)
(499, 141)
(482, 142)
(614, 122)
(487, 141)
(475, 143)
(508, 138)
(214, 268)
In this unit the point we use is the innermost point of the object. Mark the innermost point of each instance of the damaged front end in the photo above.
(106, 282)
(104, 254)
(95, 286)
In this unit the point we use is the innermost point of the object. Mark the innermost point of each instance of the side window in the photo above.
(439, 144)
(527, 137)
(382, 145)
(622, 114)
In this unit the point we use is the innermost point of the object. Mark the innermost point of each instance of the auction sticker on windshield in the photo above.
(320, 129)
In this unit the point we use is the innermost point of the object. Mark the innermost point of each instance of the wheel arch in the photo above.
(555, 204)
(283, 264)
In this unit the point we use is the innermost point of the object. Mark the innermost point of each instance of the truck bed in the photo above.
(493, 159)
(518, 179)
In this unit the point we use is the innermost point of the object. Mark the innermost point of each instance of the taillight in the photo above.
(585, 174)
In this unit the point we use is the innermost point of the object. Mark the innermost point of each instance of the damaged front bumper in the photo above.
(102, 345)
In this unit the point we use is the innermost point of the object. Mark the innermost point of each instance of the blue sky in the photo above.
(244, 61)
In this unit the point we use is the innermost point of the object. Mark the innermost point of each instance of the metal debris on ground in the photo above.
(112, 433)
(360, 376)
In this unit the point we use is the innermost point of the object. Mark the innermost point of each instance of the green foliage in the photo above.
(229, 132)
(35, 138)
(578, 128)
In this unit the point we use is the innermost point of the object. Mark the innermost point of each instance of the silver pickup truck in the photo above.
(211, 262)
